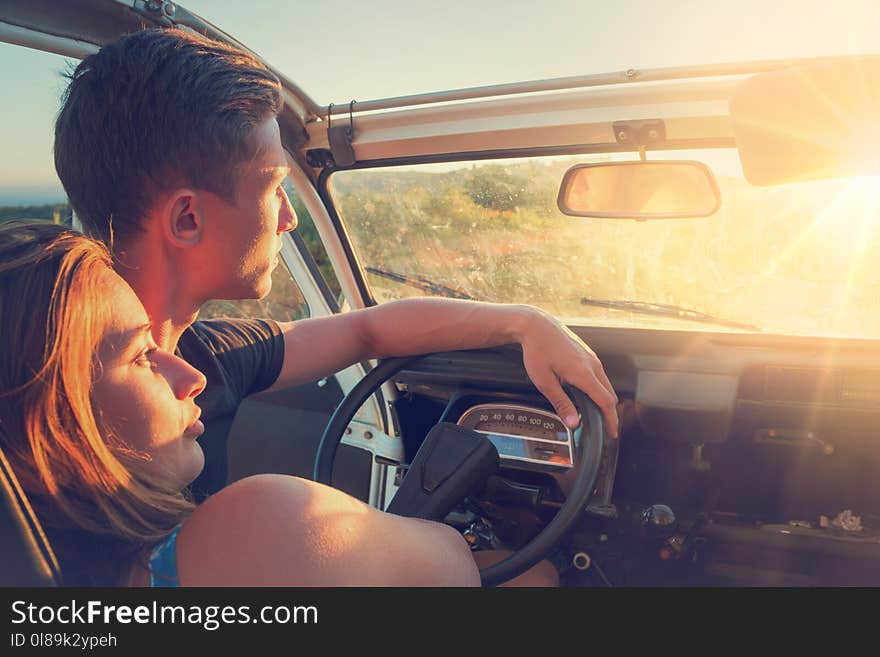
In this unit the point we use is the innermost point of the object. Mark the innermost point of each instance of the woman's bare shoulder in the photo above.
(266, 497)
(241, 534)
(278, 530)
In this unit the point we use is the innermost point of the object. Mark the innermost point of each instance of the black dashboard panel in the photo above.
(750, 439)
(846, 388)
(691, 387)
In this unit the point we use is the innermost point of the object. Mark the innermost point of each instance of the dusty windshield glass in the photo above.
(793, 259)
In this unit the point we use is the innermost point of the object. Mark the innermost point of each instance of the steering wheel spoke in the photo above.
(369, 437)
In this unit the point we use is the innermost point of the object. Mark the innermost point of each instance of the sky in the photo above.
(337, 51)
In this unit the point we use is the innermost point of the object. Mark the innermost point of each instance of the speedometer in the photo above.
(522, 434)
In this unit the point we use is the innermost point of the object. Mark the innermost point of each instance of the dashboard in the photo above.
(739, 459)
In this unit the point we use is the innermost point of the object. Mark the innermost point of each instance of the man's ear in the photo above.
(183, 218)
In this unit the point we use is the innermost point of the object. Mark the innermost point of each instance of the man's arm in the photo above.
(552, 354)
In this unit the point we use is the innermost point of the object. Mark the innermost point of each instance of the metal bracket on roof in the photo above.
(640, 134)
(341, 137)
(162, 11)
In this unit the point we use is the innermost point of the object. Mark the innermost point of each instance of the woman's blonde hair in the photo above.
(85, 484)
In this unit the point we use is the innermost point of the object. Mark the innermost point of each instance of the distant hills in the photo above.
(48, 202)
(57, 212)
(32, 195)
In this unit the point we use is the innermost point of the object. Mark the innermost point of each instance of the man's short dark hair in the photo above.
(154, 110)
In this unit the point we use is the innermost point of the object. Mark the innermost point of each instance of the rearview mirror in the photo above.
(808, 122)
(639, 190)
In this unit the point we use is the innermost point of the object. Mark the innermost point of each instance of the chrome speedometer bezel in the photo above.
(512, 461)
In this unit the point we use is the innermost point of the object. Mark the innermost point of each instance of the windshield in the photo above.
(794, 259)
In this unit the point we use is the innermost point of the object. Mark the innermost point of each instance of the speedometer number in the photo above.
(522, 434)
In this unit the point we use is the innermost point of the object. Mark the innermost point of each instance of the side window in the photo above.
(29, 186)
(309, 234)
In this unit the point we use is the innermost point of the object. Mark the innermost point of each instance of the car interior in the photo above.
(748, 452)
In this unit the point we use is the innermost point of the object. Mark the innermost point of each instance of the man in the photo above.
(169, 149)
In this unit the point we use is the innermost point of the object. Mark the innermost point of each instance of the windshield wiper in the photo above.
(422, 283)
(665, 310)
(643, 307)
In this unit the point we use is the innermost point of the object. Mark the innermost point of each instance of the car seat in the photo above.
(26, 558)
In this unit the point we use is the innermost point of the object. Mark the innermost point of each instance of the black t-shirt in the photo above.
(239, 357)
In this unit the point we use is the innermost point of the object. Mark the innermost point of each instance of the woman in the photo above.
(100, 427)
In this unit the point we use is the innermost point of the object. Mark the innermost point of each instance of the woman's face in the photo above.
(144, 395)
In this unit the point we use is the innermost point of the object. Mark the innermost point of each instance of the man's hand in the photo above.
(553, 355)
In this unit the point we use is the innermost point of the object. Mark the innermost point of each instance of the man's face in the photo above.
(244, 237)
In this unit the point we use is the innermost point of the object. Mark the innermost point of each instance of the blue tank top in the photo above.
(163, 563)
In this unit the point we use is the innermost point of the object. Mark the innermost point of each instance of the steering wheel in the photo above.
(588, 439)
